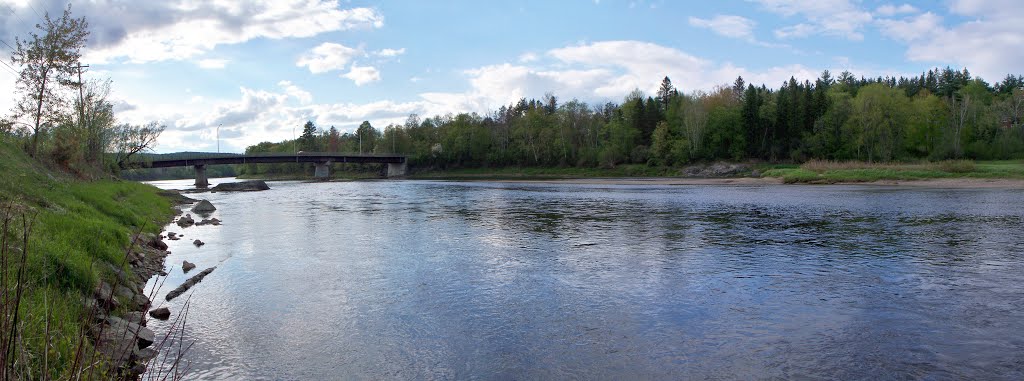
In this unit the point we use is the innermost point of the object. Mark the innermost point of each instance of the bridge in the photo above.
(322, 161)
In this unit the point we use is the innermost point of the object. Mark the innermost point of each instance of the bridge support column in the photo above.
(397, 169)
(201, 181)
(322, 170)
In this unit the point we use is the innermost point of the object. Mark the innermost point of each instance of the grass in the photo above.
(826, 172)
(76, 227)
(632, 170)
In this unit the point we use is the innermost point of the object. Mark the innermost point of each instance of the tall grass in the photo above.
(59, 235)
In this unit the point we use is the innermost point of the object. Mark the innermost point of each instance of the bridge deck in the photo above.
(302, 157)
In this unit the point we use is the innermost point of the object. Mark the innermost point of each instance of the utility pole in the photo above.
(81, 111)
(218, 137)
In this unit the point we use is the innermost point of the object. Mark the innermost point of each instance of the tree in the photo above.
(665, 92)
(333, 139)
(47, 62)
(308, 138)
(132, 139)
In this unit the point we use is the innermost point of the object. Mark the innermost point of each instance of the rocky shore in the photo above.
(119, 305)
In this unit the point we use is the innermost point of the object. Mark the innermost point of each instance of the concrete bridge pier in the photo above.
(397, 169)
(201, 180)
(322, 170)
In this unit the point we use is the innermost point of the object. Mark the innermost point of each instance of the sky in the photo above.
(258, 70)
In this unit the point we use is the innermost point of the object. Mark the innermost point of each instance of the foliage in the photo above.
(943, 114)
(78, 230)
(47, 63)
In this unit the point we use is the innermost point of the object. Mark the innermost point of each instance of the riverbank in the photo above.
(64, 240)
(948, 174)
(957, 183)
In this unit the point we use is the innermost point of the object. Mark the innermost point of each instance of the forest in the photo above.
(941, 114)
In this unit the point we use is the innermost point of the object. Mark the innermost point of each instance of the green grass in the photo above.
(77, 227)
(853, 172)
(541, 173)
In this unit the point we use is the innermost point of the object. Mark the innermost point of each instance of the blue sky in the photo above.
(261, 69)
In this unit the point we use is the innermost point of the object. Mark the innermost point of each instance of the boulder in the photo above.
(203, 206)
(162, 313)
(140, 302)
(198, 243)
(186, 221)
(136, 317)
(104, 294)
(242, 186)
(187, 266)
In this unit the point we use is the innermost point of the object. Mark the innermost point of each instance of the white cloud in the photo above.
(296, 92)
(362, 75)
(889, 10)
(988, 44)
(831, 17)
(911, 28)
(181, 29)
(326, 57)
(389, 52)
(528, 57)
(727, 25)
(594, 72)
(212, 63)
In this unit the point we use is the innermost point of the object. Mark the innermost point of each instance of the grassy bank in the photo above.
(76, 229)
(512, 173)
(828, 172)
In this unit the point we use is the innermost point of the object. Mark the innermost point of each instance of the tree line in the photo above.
(941, 114)
(60, 116)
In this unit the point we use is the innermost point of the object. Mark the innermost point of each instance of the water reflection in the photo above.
(491, 280)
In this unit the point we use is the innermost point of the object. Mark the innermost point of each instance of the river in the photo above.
(491, 280)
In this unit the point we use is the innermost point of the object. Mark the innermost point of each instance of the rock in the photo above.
(203, 206)
(137, 317)
(719, 169)
(104, 294)
(158, 244)
(124, 292)
(187, 266)
(140, 302)
(162, 313)
(186, 221)
(145, 354)
(120, 339)
(242, 186)
(215, 221)
(198, 243)
(189, 283)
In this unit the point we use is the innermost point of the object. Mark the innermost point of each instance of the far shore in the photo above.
(961, 183)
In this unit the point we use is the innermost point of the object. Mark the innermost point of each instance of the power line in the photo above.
(18, 16)
(34, 10)
(12, 69)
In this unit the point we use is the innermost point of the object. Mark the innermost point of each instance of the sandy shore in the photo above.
(960, 183)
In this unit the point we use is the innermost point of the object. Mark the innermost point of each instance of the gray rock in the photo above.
(187, 266)
(140, 302)
(137, 317)
(189, 283)
(198, 243)
(145, 354)
(162, 313)
(124, 292)
(104, 294)
(242, 186)
(186, 221)
(203, 206)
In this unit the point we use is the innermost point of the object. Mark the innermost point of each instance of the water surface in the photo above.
(450, 280)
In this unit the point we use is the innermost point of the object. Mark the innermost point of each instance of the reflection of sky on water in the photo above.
(387, 279)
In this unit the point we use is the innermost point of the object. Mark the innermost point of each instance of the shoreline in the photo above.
(955, 183)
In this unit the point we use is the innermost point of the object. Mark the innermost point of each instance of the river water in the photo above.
(480, 280)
